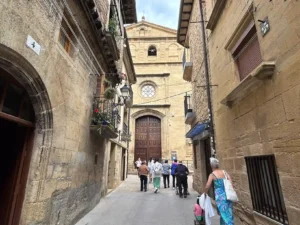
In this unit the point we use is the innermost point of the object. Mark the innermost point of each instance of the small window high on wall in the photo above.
(152, 51)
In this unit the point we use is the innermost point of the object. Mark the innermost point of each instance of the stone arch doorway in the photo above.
(147, 138)
(26, 123)
(17, 121)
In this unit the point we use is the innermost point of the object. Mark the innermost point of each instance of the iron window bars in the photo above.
(265, 187)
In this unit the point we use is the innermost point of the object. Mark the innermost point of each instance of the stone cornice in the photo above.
(144, 22)
(151, 106)
(149, 63)
(216, 13)
(154, 75)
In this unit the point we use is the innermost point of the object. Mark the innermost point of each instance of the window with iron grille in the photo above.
(265, 187)
(246, 51)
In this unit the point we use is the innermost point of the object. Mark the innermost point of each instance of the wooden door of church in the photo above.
(147, 138)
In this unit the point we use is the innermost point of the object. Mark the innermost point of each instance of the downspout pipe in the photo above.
(208, 86)
(128, 121)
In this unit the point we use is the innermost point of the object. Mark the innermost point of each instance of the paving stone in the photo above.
(128, 206)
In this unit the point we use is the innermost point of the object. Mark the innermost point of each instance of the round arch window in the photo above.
(148, 91)
(152, 51)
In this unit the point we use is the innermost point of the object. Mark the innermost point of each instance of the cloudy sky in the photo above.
(162, 12)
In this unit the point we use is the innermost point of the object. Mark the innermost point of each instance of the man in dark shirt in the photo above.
(181, 172)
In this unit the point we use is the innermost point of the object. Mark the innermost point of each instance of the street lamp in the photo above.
(125, 91)
(125, 94)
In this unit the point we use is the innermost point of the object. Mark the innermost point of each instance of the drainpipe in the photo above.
(128, 114)
(208, 86)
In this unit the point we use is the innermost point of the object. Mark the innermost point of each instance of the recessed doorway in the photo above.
(16, 138)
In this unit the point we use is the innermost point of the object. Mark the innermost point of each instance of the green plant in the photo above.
(107, 83)
(109, 93)
(113, 25)
(99, 117)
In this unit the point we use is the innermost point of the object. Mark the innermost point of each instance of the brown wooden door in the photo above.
(147, 138)
(16, 139)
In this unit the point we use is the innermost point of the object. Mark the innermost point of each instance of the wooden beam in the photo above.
(16, 119)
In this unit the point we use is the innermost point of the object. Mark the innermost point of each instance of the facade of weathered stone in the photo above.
(254, 50)
(197, 110)
(159, 95)
(54, 56)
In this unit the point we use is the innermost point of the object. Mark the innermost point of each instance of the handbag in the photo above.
(230, 192)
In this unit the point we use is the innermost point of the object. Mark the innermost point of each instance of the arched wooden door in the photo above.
(147, 138)
(16, 137)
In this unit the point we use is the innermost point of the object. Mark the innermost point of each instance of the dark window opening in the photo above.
(187, 104)
(14, 100)
(246, 52)
(207, 152)
(195, 148)
(265, 187)
(152, 51)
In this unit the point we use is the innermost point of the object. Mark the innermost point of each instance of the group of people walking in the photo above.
(155, 170)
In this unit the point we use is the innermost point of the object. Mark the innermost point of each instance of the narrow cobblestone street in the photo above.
(128, 206)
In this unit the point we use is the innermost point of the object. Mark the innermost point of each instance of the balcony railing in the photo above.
(125, 136)
(188, 111)
(187, 67)
(105, 118)
(125, 128)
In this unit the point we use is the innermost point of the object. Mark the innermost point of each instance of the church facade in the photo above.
(157, 116)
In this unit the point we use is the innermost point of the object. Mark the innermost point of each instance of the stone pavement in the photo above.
(128, 206)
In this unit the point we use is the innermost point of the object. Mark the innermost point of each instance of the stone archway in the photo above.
(19, 74)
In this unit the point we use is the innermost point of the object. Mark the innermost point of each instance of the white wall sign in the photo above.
(31, 43)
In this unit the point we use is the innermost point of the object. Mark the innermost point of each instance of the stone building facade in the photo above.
(157, 116)
(189, 36)
(254, 49)
(54, 56)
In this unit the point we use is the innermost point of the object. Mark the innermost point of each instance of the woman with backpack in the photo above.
(157, 171)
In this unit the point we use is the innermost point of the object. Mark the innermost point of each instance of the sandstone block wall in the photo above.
(267, 120)
(64, 181)
(199, 94)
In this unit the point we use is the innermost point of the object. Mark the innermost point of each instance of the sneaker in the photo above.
(184, 196)
(173, 188)
(156, 190)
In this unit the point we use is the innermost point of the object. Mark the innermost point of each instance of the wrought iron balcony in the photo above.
(125, 136)
(188, 111)
(187, 67)
(105, 118)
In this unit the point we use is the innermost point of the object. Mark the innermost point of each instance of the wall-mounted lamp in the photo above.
(264, 26)
(125, 94)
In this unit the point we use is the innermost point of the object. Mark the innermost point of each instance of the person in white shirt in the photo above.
(150, 166)
(138, 163)
(157, 171)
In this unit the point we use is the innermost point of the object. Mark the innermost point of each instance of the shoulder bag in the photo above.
(230, 192)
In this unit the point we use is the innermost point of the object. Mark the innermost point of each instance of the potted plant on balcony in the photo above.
(113, 25)
(102, 123)
(109, 93)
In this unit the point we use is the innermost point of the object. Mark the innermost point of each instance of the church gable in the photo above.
(147, 29)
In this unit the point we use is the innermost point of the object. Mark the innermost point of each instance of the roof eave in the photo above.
(180, 28)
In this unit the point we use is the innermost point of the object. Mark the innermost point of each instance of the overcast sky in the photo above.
(162, 12)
